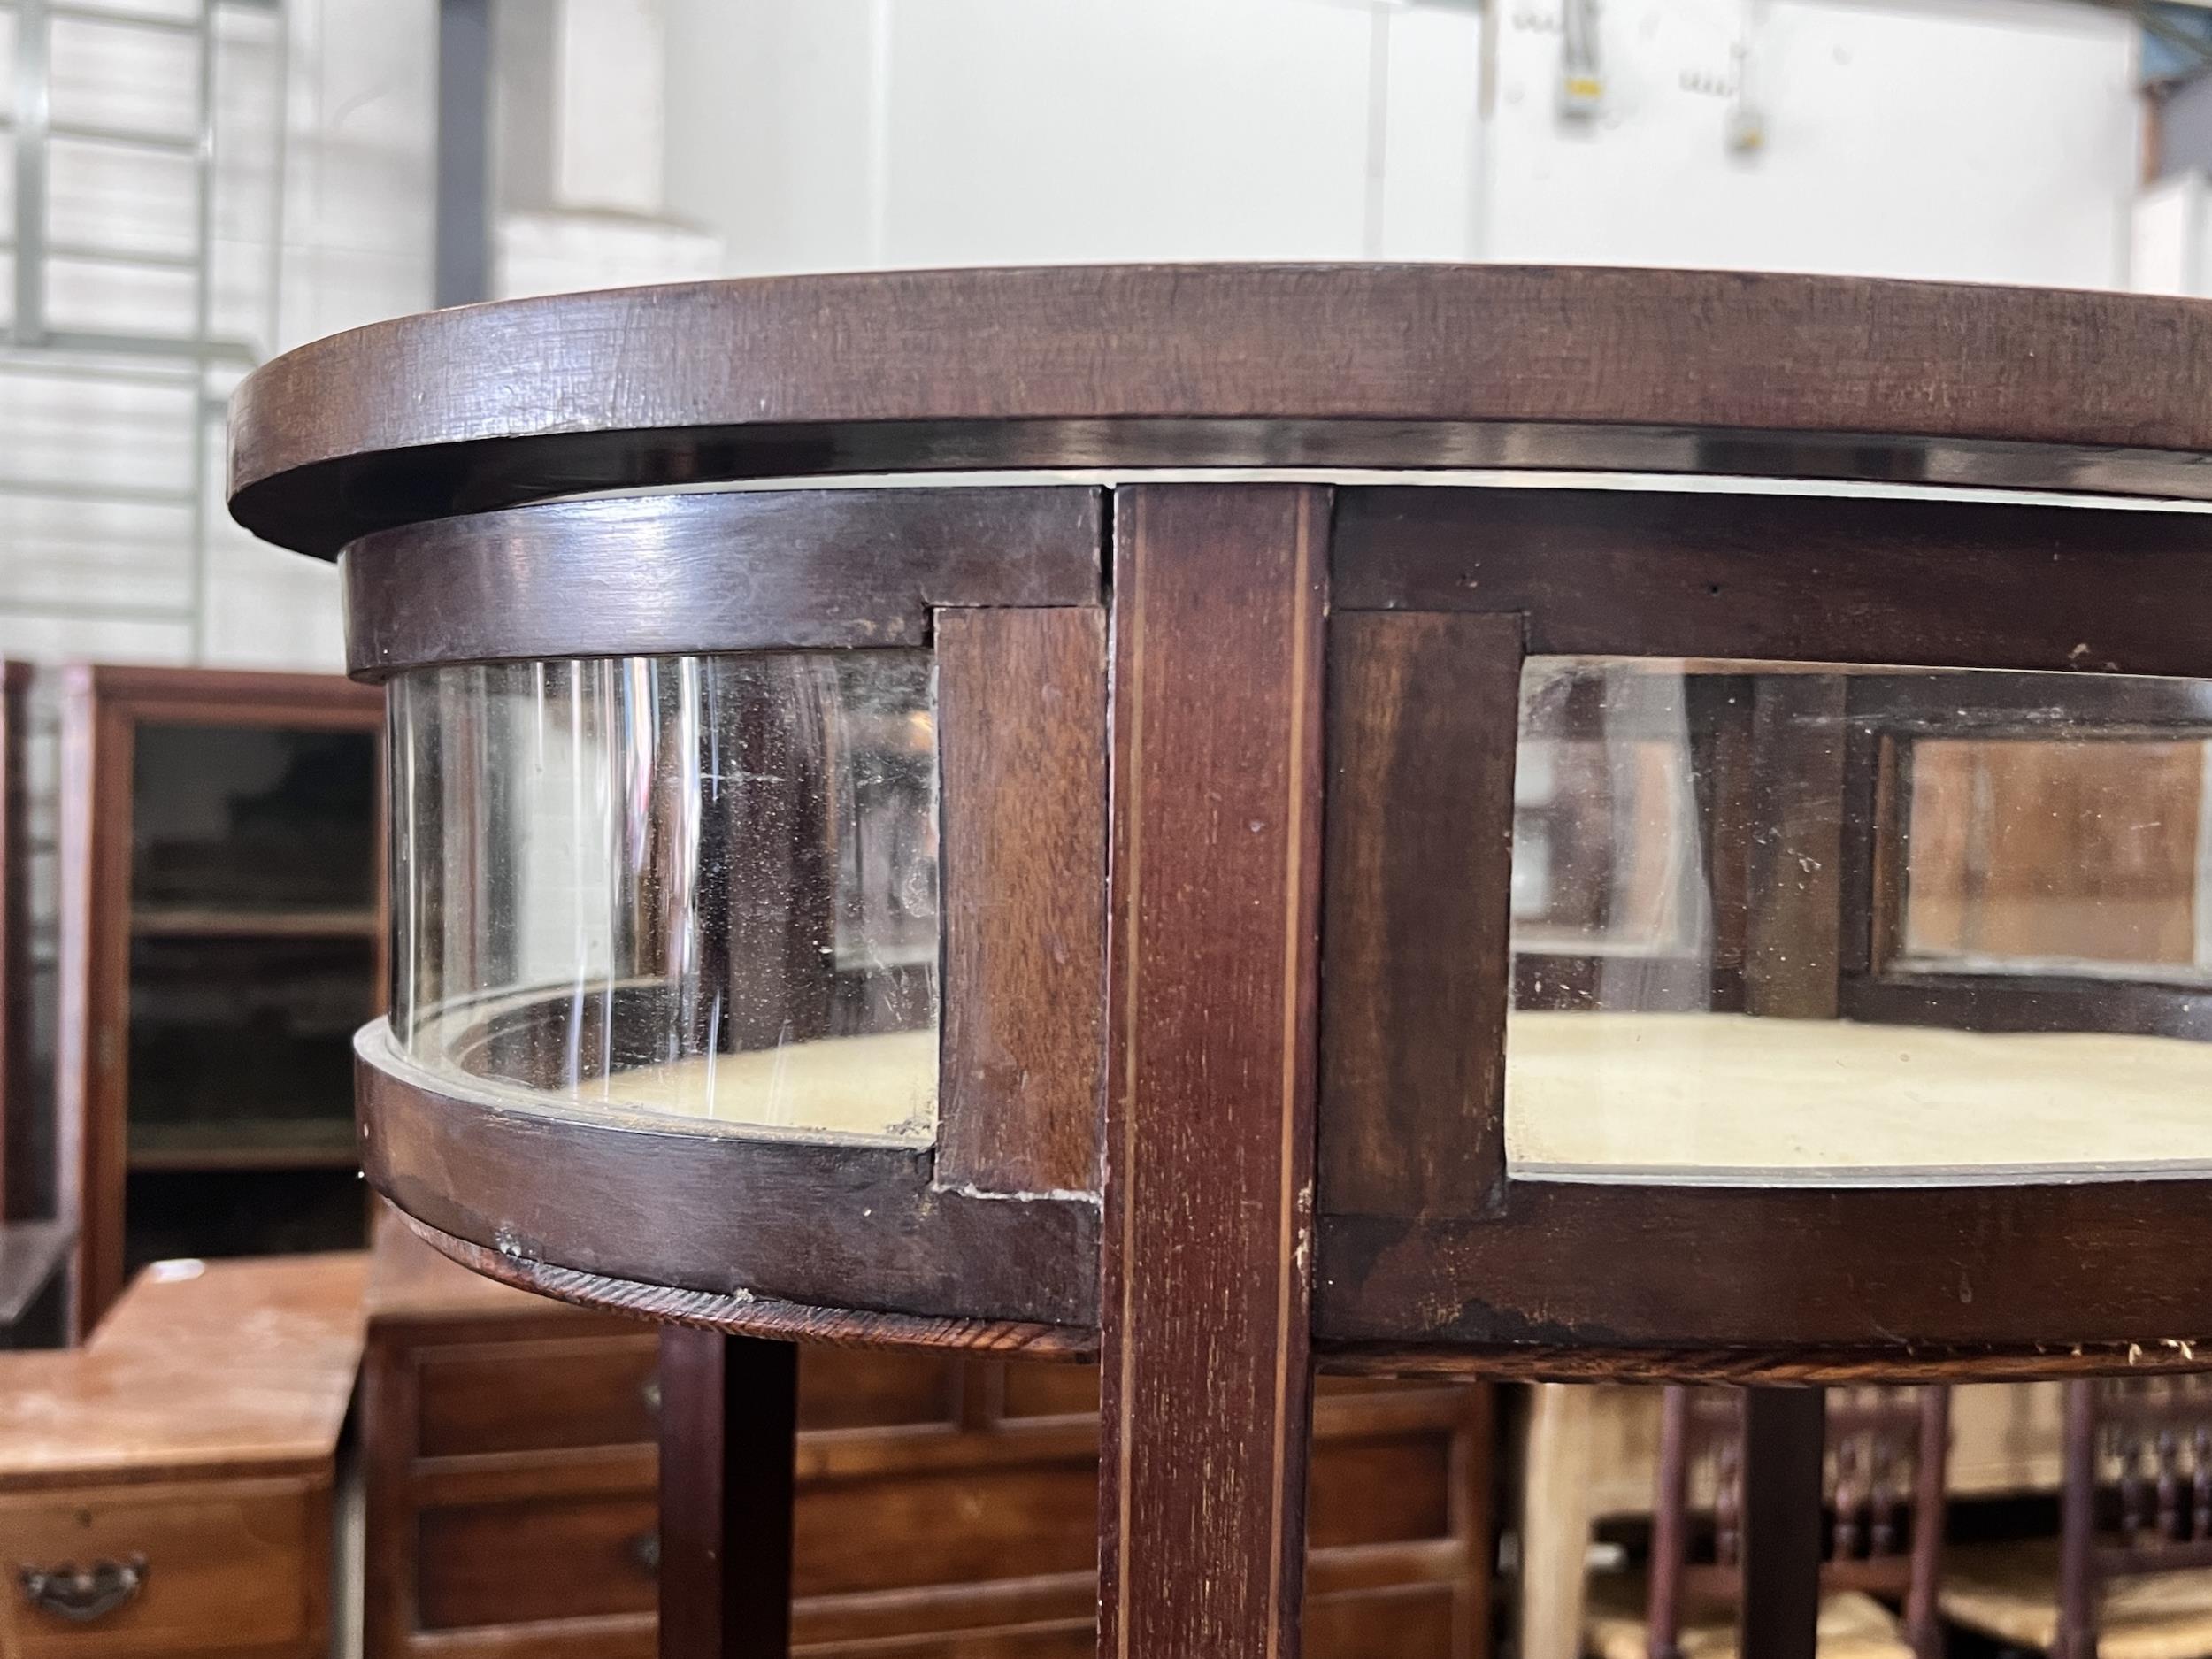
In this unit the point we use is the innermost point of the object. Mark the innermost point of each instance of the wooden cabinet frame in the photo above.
(1294, 699)
(1438, 1249)
(103, 707)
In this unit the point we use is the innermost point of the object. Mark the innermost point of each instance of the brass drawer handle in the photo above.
(649, 1392)
(645, 1550)
(81, 1595)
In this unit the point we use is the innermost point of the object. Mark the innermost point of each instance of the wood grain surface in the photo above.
(242, 1367)
(1021, 713)
(757, 1316)
(729, 1422)
(1413, 366)
(749, 569)
(834, 1223)
(1206, 1257)
(1791, 578)
(1423, 710)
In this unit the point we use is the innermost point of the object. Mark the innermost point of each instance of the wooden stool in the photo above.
(1077, 914)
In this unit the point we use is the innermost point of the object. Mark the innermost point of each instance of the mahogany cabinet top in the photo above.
(1400, 367)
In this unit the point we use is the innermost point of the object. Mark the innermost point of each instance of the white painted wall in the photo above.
(1983, 139)
(1988, 140)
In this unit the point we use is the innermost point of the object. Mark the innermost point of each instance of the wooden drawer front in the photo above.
(1415, 1622)
(552, 1558)
(232, 1567)
(1067, 1639)
(1411, 1621)
(957, 1526)
(1380, 1491)
(1037, 1389)
(854, 1388)
(537, 1396)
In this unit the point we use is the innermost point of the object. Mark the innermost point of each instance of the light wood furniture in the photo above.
(1592, 1453)
(1226, 953)
(943, 1506)
(222, 929)
(167, 1488)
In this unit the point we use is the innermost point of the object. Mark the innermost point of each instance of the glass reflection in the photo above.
(702, 886)
(1773, 924)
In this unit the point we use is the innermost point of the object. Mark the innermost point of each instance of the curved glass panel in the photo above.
(702, 886)
(1779, 924)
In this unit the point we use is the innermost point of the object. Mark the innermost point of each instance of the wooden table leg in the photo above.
(1556, 1519)
(729, 1415)
(1207, 1263)
(1782, 1443)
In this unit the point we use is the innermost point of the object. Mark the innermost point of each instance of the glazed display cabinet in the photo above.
(222, 932)
(1113, 811)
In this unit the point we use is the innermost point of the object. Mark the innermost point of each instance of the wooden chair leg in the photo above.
(1924, 1619)
(1783, 1434)
(729, 1409)
(1556, 1523)
(2077, 1528)
(1208, 1256)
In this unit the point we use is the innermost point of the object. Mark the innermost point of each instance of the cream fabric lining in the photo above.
(885, 1084)
(1677, 1094)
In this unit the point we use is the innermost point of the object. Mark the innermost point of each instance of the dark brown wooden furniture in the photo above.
(167, 1488)
(222, 927)
(943, 1505)
(1222, 1085)
(1882, 1526)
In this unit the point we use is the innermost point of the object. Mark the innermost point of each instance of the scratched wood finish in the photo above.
(754, 570)
(1423, 708)
(745, 1314)
(763, 1216)
(729, 1426)
(2026, 1271)
(1021, 724)
(1207, 1266)
(1958, 584)
(1413, 366)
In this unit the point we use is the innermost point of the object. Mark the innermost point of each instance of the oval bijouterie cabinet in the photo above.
(1560, 823)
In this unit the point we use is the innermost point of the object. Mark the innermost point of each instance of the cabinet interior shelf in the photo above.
(196, 922)
(278, 1143)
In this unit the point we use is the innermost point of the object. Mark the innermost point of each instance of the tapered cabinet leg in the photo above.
(728, 1414)
(1208, 1144)
(1784, 1432)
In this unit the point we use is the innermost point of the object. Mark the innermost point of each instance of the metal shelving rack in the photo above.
(197, 361)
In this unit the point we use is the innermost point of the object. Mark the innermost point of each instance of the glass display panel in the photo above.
(1777, 925)
(2029, 857)
(702, 887)
(241, 1049)
(230, 818)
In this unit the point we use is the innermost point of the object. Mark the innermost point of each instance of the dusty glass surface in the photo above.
(1776, 925)
(703, 887)
(2035, 857)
